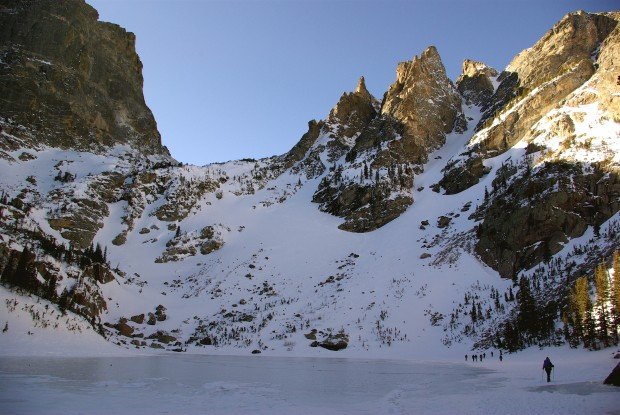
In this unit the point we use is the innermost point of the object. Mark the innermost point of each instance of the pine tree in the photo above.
(511, 337)
(583, 306)
(528, 318)
(25, 274)
(8, 272)
(50, 287)
(590, 328)
(601, 284)
(64, 300)
(615, 296)
(473, 313)
(579, 299)
(98, 254)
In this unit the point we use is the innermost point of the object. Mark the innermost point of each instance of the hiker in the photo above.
(548, 367)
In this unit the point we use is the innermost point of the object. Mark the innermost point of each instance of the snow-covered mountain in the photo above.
(377, 233)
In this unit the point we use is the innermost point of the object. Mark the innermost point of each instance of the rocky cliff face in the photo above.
(73, 81)
(536, 81)
(554, 100)
(424, 100)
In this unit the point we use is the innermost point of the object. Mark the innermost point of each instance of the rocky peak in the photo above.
(360, 101)
(574, 52)
(425, 101)
(360, 89)
(353, 112)
(473, 68)
(571, 40)
(475, 83)
(74, 81)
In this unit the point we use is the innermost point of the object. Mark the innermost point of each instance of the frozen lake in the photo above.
(182, 384)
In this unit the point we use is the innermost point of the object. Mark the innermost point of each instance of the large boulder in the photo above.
(614, 377)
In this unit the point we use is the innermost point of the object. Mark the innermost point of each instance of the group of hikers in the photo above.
(482, 356)
(547, 365)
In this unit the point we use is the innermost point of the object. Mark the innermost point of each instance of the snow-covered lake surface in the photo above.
(186, 384)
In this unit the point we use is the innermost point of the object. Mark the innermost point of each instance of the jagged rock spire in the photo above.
(360, 89)
(424, 100)
(354, 109)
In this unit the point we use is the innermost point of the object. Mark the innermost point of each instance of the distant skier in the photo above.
(548, 367)
(466, 358)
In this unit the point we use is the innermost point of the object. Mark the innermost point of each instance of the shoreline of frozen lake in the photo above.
(188, 384)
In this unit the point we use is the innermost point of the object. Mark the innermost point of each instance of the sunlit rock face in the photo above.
(74, 81)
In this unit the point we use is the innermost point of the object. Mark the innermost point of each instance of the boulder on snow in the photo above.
(160, 313)
(334, 345)
(443, 222)
(614, 377)
(335, 342)
(123, 328)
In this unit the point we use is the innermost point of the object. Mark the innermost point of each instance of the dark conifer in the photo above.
(601, 285)
(615, 295)
(8, 272)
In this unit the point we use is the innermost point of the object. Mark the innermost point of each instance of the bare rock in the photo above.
(614, 377)
(75, 79)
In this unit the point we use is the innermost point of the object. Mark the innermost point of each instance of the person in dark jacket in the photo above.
(548, 367)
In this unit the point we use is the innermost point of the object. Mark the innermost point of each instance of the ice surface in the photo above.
(186, 384)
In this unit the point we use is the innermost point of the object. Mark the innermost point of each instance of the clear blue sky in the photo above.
(234, 79)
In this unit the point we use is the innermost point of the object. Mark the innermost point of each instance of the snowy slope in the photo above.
(285, 270)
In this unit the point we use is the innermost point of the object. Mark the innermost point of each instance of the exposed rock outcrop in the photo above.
(384, 148)
(353, 112)
(532, 218)
(535, 82)
(552, 193)
(74, 81)
(476, 83)
(425, 102)
(614, 377)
